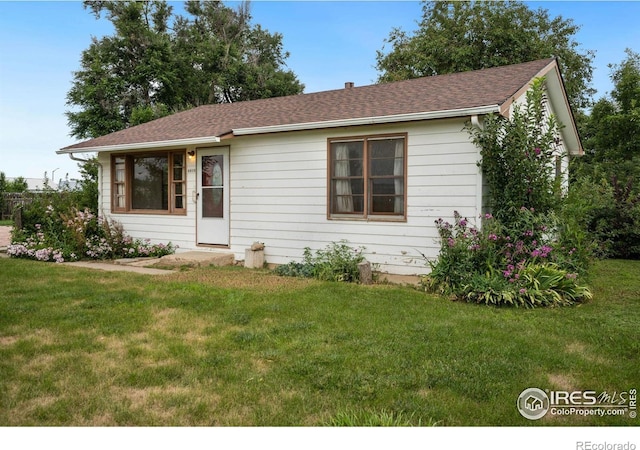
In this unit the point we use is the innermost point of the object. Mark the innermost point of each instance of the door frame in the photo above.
(223, 228)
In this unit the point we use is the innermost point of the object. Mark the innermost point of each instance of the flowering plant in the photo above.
(73, 234)
(499, 265)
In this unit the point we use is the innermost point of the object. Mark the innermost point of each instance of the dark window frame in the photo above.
(174, 185)
(367, 196)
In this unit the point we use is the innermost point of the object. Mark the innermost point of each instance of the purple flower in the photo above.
(536, 151)
(523, 291)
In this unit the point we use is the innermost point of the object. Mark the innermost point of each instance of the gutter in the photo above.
(140, 145)
(481, 110)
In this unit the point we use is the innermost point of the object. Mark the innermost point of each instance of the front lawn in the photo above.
(237, 347)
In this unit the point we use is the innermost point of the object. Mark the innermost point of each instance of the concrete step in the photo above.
(196, 258)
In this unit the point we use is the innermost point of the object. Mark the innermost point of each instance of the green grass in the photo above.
(237, 347)
(6, 223)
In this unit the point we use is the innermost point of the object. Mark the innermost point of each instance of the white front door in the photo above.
(213, 196)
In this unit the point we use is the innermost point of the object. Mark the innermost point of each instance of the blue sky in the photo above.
(329, 42)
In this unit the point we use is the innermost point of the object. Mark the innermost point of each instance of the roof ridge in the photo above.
(408, 80)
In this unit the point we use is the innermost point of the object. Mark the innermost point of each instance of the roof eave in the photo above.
(430, 115)
(141, 145)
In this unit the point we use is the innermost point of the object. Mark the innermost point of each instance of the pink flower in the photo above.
(536, 151)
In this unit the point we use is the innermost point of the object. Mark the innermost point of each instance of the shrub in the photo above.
(518, 156)
(59, 232)
(526, 264)
(607, 212)
(337, 262)
(526, 256)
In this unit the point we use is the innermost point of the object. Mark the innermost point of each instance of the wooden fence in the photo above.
(11, 201)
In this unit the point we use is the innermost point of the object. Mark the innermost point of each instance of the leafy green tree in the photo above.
(605, 190)
(612, 129)
(125, 74)
(518, 157)
(156, 63)
(456, 36)
(222, 58)
(18, 184)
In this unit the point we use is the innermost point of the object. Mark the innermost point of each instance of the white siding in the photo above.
(279, 196)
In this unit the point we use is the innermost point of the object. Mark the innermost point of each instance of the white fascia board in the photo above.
(368, 120)
(143, 145)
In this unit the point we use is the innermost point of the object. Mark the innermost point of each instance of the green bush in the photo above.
(607, 213)
(55, 230)
(544, 284)
(527, 255)
(519, 155)
(527, 264)
(336, 262)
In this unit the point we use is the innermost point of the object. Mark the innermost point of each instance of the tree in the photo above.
(605, 188)
(224, 59)
(518, 158)
(18, 184)
(125, 76)
(156, 63)
(456, 36)
(613, 127)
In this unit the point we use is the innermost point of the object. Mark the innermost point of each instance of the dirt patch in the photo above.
(241, 279)
(563, 381)
(580, 349)
(6, 341)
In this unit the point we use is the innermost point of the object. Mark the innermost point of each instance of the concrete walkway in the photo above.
(5, 236)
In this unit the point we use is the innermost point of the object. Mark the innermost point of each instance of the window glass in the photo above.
(348, 177)
(149, 187)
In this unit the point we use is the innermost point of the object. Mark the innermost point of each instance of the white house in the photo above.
(375, 165)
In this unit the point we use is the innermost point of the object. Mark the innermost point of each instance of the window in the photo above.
(367, 177)
(150, 182)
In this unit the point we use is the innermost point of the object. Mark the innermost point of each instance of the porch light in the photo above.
(192, 154)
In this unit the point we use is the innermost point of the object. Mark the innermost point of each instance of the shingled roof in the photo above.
(455, 93)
